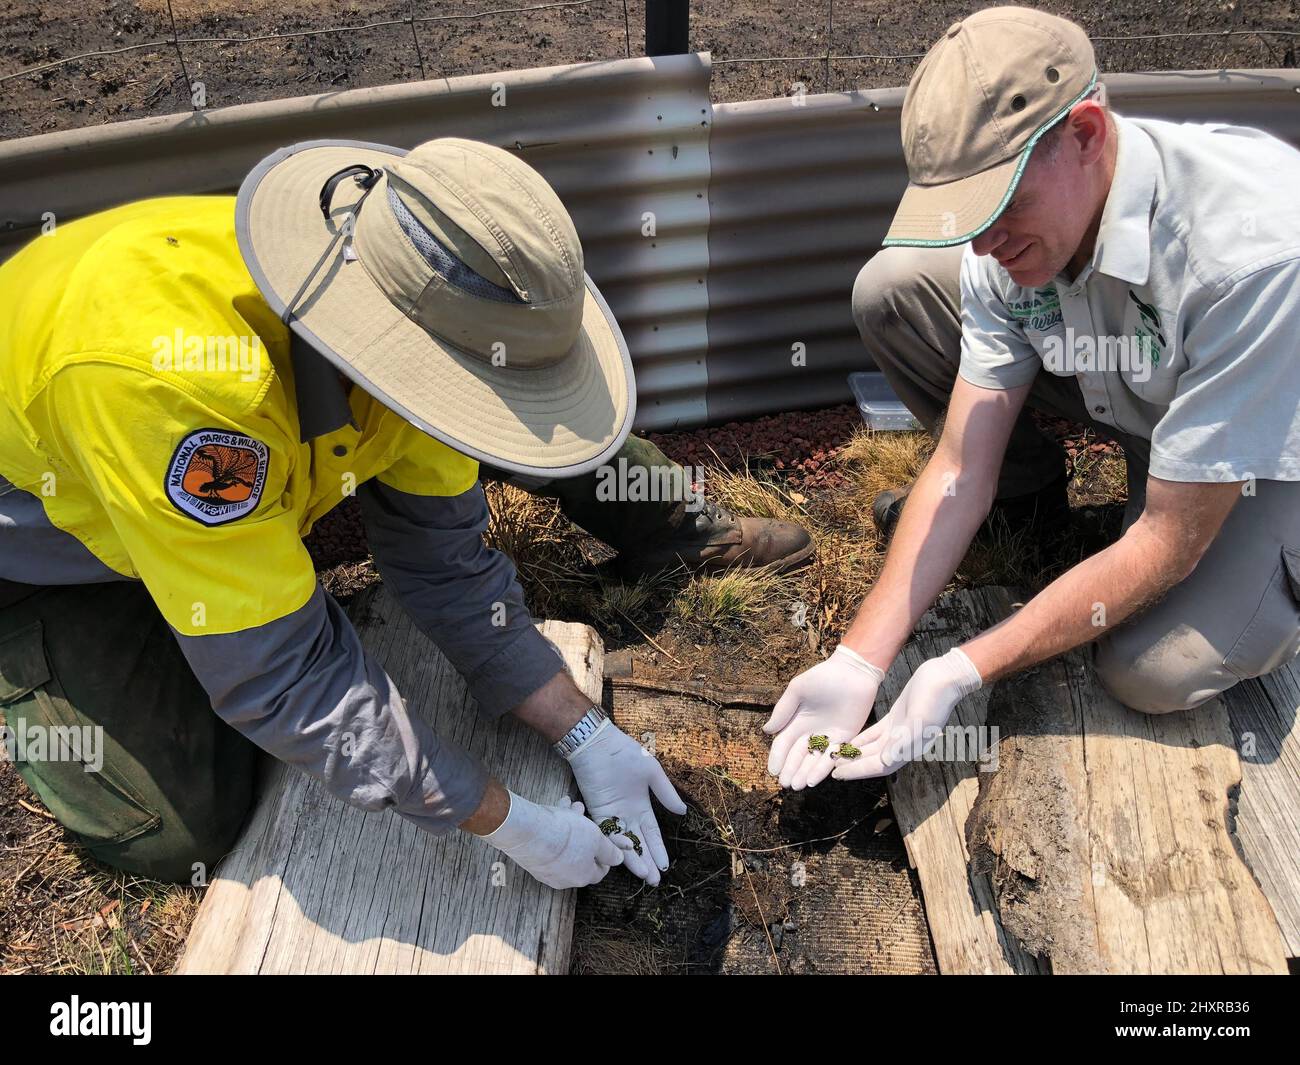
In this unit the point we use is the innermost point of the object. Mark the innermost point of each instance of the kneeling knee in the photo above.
(876, 289)
(1152, 684)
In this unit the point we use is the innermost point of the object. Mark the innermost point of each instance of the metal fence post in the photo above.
(667, 27)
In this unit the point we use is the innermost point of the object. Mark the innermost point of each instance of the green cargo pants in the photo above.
(110, 729)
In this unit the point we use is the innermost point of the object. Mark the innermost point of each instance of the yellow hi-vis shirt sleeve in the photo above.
(203, 509)
(428, 467)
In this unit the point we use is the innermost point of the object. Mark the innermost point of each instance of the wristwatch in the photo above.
(585, 727)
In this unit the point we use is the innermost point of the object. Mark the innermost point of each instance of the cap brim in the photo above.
(554, 421)
(939, 216)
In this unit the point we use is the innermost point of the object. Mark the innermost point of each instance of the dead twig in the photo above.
(32, 841)
(747, 697)
(783, 846)
(38, 812)
(647, 636)
(699, 883)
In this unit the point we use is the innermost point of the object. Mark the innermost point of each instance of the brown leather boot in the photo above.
(713, 539)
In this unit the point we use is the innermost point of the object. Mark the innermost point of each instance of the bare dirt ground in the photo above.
(59, 912)
(150, 81)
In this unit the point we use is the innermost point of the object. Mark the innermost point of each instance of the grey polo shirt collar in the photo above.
(1123, 248)
(321, 399)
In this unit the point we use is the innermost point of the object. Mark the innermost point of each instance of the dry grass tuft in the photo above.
(348, 578)
(880, 460)
(825, 594)
(1002, 557)
(744, 492)
(733, 598)
(849, 553)
(835, 583)
(1105, 475)
(600, 950)
(612, 600)
(546, 549)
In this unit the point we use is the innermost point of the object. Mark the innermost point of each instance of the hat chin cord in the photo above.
(366, 177)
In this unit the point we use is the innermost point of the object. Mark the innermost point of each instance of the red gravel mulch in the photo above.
(798, 447)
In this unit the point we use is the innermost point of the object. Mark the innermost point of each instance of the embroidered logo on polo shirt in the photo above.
(1040, 311)
(1149, 337)
(217, 476)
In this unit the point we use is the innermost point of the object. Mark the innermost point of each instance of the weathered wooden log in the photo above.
(1101, 842)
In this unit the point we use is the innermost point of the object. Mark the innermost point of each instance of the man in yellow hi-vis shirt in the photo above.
(187, 384)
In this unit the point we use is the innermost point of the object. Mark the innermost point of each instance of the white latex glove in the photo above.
(617, 776)
(557, 844)
(915, 720)
(833, 699)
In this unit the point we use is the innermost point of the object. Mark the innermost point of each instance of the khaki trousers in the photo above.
(1236, 616)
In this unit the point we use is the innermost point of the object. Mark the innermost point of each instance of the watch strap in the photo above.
(583, 730)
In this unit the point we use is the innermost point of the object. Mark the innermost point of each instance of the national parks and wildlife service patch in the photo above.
(217, 476)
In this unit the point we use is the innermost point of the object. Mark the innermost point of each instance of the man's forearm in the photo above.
(1080, 605)
(554, 708)
(943, 510)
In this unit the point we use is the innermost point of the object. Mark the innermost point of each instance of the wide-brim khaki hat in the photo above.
(448, 282)
(980, 100)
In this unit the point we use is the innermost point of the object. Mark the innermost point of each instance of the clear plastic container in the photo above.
(881, 408)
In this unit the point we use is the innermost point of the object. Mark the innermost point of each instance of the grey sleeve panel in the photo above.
(304, 690)
(33, 551)
(463, 596)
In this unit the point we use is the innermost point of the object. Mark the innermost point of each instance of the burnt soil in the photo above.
(731, 902)
(150, 81)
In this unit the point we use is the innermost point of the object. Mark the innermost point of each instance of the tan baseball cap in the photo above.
(976, 106)
(449, 283)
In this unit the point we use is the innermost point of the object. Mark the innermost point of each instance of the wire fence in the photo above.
(412, 21)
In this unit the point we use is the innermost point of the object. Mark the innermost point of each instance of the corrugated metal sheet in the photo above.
(801, 196)
(616, 140)
(764, 211)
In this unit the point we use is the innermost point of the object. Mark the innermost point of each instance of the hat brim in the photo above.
(554, 421)
(939, 216)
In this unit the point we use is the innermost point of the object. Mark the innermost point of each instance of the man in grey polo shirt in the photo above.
(1142, 277)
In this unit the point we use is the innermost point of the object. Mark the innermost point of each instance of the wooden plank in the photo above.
(315, 886)
(933, 799)
(1265, 719)
(1101, 842)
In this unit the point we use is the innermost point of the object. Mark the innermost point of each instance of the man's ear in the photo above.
(1089, 130)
